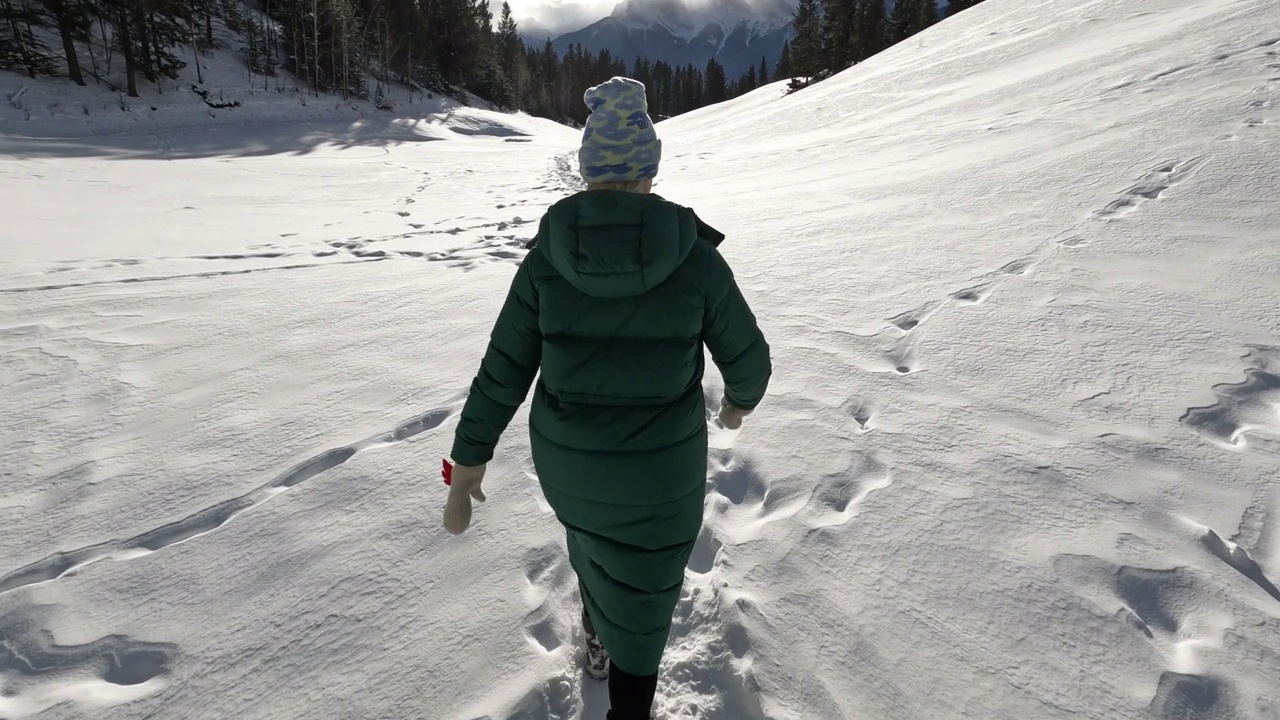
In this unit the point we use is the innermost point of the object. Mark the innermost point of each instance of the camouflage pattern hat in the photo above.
(618, 142)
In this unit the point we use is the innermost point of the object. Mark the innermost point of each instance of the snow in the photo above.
(1018, 458)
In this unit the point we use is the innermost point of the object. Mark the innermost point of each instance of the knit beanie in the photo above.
(618, 143)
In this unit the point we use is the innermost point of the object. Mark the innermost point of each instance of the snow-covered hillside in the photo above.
(1019, 458)
(220, 92)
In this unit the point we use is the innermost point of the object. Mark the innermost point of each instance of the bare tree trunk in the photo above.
(300, 51)
(106, 44)
(157, 49)
(126, 44)
(144, 39)
(315, 40)
(195, 54)
(22, 45)
(268, 61)
(93, 56)
(62, 15)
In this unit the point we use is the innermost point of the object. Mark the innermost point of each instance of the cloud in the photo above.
(557, 16)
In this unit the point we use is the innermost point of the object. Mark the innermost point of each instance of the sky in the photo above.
(560, 16)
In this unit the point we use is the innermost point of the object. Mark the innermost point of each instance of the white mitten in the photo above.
(464, 484)
(731, 416)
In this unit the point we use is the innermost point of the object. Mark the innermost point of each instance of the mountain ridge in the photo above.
(737, 33)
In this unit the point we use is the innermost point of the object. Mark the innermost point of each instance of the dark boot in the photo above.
(597, 657)
(630, 696)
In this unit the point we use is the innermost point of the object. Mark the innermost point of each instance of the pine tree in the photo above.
(955, 6)
(664, 100)
(324, 45)
(717, 83)
(926, 15)
(783, 69)
(763, 73)
(167, 32)
(508, 38)
(839, 34)
(910, 17)
(900, 19)
(806, 40)
(510, 56)
(869, 27)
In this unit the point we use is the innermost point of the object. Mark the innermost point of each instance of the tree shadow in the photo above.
(231, 139)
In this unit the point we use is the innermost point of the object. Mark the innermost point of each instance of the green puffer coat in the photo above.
(614, 303)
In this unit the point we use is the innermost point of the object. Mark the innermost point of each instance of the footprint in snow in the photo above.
(700, 679)
(973, 295)
(1158, 598)
(1189, 696)
(911, 319)
(37, 673)
(1245, 408)
(862, 411)
(554, 699)
(1018, 267)
(737, 480)
(1174, 609)
(902, 356)
(743, 500)
(838, 498)
(706, 551)
(547, 571)
(1152, 186)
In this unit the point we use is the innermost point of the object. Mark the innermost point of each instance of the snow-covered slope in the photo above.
(1019, 459)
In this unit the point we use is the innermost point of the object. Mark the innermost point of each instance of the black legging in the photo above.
(630, 696)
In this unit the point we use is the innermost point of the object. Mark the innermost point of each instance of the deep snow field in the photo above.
(1020, 457)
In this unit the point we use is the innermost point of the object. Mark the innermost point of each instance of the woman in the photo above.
(619, 293)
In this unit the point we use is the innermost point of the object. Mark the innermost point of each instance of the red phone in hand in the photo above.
(448, 473)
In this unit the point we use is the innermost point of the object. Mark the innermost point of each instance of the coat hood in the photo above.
(612, 244)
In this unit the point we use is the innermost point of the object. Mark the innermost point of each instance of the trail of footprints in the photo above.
(1261, 50)
(1152, 186)
(205, 521)
(494, 241)
(908, 326)
(706, 671)
(488, 247)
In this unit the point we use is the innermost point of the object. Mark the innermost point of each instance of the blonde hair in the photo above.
(632, 186)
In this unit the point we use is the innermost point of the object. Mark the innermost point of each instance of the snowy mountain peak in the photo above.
(737, 33)
(687, 19)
